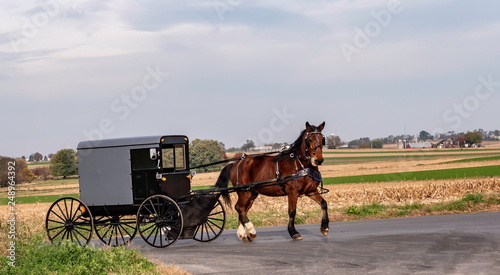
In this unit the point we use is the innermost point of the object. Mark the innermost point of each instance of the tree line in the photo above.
(65, 162)
(469, 138)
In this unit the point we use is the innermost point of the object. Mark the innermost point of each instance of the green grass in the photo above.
(401, 157)
(407, 209)
(39, 163)
(410, 151)
(39, 199)
(474, 160)
(459, 205)
(365, 210)
(35, 257)
(471, 172)
(386, 211)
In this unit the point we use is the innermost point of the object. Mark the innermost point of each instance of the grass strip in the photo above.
(38, 199)
(38, 163)
(409, 151)
(473, 160)
(400, 157)
(35, 257)
(456, 173)
(469, 201)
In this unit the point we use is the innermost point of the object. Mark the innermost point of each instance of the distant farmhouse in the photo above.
(447, 143)
(418, 145)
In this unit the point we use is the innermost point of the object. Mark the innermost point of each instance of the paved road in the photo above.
(451, 244)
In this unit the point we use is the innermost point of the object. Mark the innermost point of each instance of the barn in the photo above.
(418, 145)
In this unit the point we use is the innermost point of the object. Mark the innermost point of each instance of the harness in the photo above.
(280, 180)
(305, 172)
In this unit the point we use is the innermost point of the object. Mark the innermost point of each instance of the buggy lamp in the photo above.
(83, 209)
(191, 174)
(163, 179)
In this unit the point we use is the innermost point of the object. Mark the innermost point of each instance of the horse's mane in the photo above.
(293, 148)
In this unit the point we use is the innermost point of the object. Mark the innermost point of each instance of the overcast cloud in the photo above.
(233, 70)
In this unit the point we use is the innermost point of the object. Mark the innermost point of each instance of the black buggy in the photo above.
(136, 185)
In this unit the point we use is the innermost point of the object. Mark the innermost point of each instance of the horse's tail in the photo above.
(223, 182)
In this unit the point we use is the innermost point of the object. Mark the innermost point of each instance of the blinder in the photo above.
(308, 141)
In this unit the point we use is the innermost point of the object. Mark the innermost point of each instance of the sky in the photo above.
(234, 70)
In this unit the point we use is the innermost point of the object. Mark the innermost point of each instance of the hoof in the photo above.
(252, 237)
(297, 237)
(324, 231)
(246, 240)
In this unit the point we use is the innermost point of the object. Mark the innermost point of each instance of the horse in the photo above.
(305, 154)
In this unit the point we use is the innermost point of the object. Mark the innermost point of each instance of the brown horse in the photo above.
(305, 154)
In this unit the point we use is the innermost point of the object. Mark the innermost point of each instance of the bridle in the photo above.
(307, 143)
(320, 143)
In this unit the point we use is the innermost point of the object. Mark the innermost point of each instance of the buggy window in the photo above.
(141, 160)
(173, 157)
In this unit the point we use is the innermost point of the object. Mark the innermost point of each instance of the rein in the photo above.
(306, 172)
(234, 159)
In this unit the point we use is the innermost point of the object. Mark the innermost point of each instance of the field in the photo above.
(363, 184)
(361, 172)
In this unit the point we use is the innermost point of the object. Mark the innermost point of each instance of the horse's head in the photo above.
(314, 142)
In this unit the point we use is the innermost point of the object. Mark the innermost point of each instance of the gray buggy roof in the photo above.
(119, 142)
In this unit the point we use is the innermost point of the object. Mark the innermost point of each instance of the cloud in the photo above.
(237, 63)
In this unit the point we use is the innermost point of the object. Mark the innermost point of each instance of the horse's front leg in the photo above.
(324, 208)
(292, 211)
(246, 230)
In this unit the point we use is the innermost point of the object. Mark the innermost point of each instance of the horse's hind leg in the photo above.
(324, 207)
(246, 231)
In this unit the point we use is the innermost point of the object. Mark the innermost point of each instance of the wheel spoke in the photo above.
(65, 217)
(79, 233)
(61, 218)
(55, 221)
(214, 219)
(157, 229)
(147, 229)
(119, 230)
(108, 229)
(203, 230)
(66, 210)
(83, 228)
(208, 225)
(73, 235)
(215, 214)
(62, 230)
(116, 230)
(71, 211)
(54, 228)
(153, 207)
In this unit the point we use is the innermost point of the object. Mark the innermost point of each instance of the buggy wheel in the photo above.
(213, 226)
(69, 219)
(115, 230)
(159, 221)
